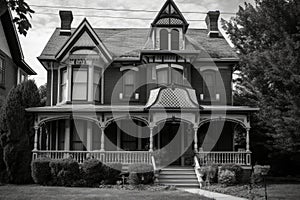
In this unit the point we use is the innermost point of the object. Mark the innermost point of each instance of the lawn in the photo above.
(35, 192)
(288, 191)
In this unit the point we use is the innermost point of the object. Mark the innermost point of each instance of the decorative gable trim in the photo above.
(82, 28)
(170, 16)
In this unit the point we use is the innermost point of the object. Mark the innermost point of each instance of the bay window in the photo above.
(79, 83)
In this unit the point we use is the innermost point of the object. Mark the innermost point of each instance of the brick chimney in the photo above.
(212, 23)
(66, 18)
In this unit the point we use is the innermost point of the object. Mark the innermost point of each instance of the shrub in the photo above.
(144, 174)
(40, 171)
(210, 173)
(112, 172)
(64, 172)
(238, 171)
(227, 177)
(93, 172)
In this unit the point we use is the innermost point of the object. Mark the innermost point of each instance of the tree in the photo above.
(267, 38)
(43, 94)
(22, 10)
(17, 134)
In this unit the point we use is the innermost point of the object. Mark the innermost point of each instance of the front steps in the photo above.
(183, 177)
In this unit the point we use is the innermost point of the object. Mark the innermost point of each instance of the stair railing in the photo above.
(197, 172)
(156, 171)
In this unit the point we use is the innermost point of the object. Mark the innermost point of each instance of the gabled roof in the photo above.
(170, 15)
(128, 42)
(14, 43)
(84, 27)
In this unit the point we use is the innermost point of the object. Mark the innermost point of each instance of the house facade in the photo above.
(13, 68)
(129, 94)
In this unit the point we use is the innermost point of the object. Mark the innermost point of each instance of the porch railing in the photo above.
(124, 157)
(238, 158)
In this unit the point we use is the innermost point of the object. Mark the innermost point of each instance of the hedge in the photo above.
(140, 174)
(41, 171)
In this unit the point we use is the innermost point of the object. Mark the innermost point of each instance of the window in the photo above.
(96, 84)
(174, 39)
(169, 73)
(164, 39)
(63, 84)
(128, 80)
(79, 83)
(209, 78)
(2, 72)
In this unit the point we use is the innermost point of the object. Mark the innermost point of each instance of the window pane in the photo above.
(63, 93)
(128, 90)
(164, 38)
(79, 91)
(129, 77)
(210, 84)
(97, 76)
(162, 76)
(96, 92)
(80, 75)
(177, 76)
(64, 76)
(175, 39)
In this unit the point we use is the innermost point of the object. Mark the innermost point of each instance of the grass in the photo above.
(288, 191)
(35, 192)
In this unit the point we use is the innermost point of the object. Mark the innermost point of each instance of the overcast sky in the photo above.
(44, 24)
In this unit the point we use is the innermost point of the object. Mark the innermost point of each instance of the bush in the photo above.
(40, 171)
(93, 172)
(140, 174)
(112, 172)
(227, 177)
(210, 173)
(238, 171)
(64, 172)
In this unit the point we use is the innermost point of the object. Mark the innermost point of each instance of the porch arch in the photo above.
(245, 126)
(112, 120)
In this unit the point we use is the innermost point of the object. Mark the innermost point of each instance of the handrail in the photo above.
(153, 163)
(156, 171)
(225, 157)
(197, 168)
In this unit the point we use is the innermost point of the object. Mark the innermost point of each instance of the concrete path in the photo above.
(214, 195)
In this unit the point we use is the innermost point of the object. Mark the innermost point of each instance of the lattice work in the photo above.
(175, 21)
(177, 98)
(163, 21)
(170, 21)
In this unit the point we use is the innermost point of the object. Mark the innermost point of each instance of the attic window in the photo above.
(169, 39)
(84, 52)
(174, 39)
(164, 39)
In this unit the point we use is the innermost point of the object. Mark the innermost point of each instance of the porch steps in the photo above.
(183, 177)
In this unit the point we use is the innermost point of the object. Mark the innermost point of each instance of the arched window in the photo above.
(174, 39)
(164, 39)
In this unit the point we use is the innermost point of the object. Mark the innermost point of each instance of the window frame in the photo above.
(161, 39)
(61, 84)
(98, 83)
(172, 39)
(86, 83)
(170, 68)
(124, 72)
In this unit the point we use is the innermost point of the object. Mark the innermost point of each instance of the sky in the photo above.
(45, 20)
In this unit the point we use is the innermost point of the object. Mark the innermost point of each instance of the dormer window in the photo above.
(169, 39)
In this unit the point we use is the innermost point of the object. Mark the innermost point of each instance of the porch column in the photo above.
(56, 135)
(67, 135)
(139, 136)
(89, 137)
(102, 137)
(47, 138)
(151, 139)
(247, 140)
(195, 139)
(40, 138)
(36, 138)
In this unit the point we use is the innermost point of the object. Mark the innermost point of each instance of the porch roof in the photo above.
(85, 108)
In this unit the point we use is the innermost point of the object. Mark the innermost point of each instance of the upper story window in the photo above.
(96, 83)
(169, 39)
(170, 74)
(209, 85)
(129, 81)
(2, 72)
(80, 83)
(63, 84)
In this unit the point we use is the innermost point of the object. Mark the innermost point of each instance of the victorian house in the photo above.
(13, 68)
(129, 94)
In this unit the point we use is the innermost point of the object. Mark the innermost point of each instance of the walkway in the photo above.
(214, 195)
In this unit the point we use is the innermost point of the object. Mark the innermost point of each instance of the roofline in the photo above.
(18, 59)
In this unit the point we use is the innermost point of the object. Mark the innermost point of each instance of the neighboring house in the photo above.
(172, 81)
(13, 68)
